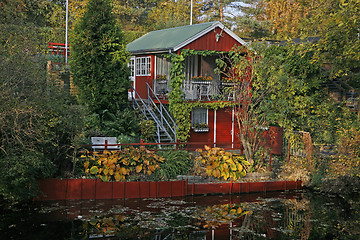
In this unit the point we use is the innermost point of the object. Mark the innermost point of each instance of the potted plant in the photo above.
(161, 78)
(201, 127)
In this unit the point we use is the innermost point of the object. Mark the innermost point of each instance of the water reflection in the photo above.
(285, 215)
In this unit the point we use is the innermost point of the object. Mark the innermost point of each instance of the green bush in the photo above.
(19, 174)
(175, 163)
(147, 130)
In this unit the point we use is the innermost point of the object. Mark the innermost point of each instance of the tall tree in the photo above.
(39, 122)
(99, 59)
(173, 14)
(240, 68)
(339, 44)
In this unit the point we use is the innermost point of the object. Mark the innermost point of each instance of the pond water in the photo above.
(280, 215)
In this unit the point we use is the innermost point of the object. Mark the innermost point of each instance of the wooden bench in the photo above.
(101, 143)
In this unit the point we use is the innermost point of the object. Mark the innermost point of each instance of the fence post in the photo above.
(106, 144)
(288, 151)
(141, 142)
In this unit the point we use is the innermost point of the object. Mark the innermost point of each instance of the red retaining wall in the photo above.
(66, 189)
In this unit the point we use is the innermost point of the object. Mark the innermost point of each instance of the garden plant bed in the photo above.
(81, 189)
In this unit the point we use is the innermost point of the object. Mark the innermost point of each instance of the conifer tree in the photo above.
(99, 59)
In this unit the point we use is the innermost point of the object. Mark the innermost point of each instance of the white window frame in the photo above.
(143, 66)
(131, 65)
(194, 115)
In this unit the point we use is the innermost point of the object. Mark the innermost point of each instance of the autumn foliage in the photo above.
(120, 165)
(220, 164)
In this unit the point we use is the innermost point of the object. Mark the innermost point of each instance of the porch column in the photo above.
(215, 128)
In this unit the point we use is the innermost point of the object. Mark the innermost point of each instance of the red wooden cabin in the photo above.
(150, 76)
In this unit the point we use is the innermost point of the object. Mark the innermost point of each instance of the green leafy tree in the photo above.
(240, 67)
(251, 22)
(339, 45)
(173, 14)
(99, 59)
(39, 123)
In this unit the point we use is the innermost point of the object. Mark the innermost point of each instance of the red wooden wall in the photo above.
(204, 137)
(208, 42)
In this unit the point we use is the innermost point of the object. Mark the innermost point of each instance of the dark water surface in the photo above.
(280, 215)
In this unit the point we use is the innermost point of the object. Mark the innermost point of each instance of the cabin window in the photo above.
(199, 116)
(143, 66)
(163, 65)
(132, 67)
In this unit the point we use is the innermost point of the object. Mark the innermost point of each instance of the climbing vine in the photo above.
(179, 107)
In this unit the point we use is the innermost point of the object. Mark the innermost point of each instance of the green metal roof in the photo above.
(167, 39)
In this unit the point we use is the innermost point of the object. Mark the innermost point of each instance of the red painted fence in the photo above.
(82, 189)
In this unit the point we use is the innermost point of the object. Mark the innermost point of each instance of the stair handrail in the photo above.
(155, 118)
(162, 110)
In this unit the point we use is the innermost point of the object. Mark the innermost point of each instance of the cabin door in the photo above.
(224, 128)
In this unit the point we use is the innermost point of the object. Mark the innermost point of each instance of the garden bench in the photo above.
(99, 143)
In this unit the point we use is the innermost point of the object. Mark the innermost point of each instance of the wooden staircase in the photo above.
(342, 92)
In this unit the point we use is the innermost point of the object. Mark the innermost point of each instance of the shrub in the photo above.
(19, 174)
(220, 164)
(147, 129)
(130, 163)
(175, 163)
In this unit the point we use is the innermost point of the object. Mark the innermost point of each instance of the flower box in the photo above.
(199, 130)
(202, 80)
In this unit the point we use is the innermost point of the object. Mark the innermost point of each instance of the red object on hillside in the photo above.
(58, 49)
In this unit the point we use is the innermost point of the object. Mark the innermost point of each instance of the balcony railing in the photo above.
(198, 90)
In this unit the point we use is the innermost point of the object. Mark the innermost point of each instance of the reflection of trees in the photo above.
(270, 218)
(298, 216)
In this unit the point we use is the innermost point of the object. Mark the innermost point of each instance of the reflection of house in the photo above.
(150, 67)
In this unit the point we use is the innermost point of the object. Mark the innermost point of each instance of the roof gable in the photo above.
(173, 39)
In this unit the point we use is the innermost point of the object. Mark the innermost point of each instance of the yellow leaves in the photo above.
(239, 167)
(86, 164)
(117, 177)
(123, 171)
(138, 168)
(221, 214)
(116, 165)
(94, 170)
(226, 175)
(220, 164)
(239, 210)
(217, 173)
(153, 167)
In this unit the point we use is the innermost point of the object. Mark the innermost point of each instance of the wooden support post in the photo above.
(288, 151)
